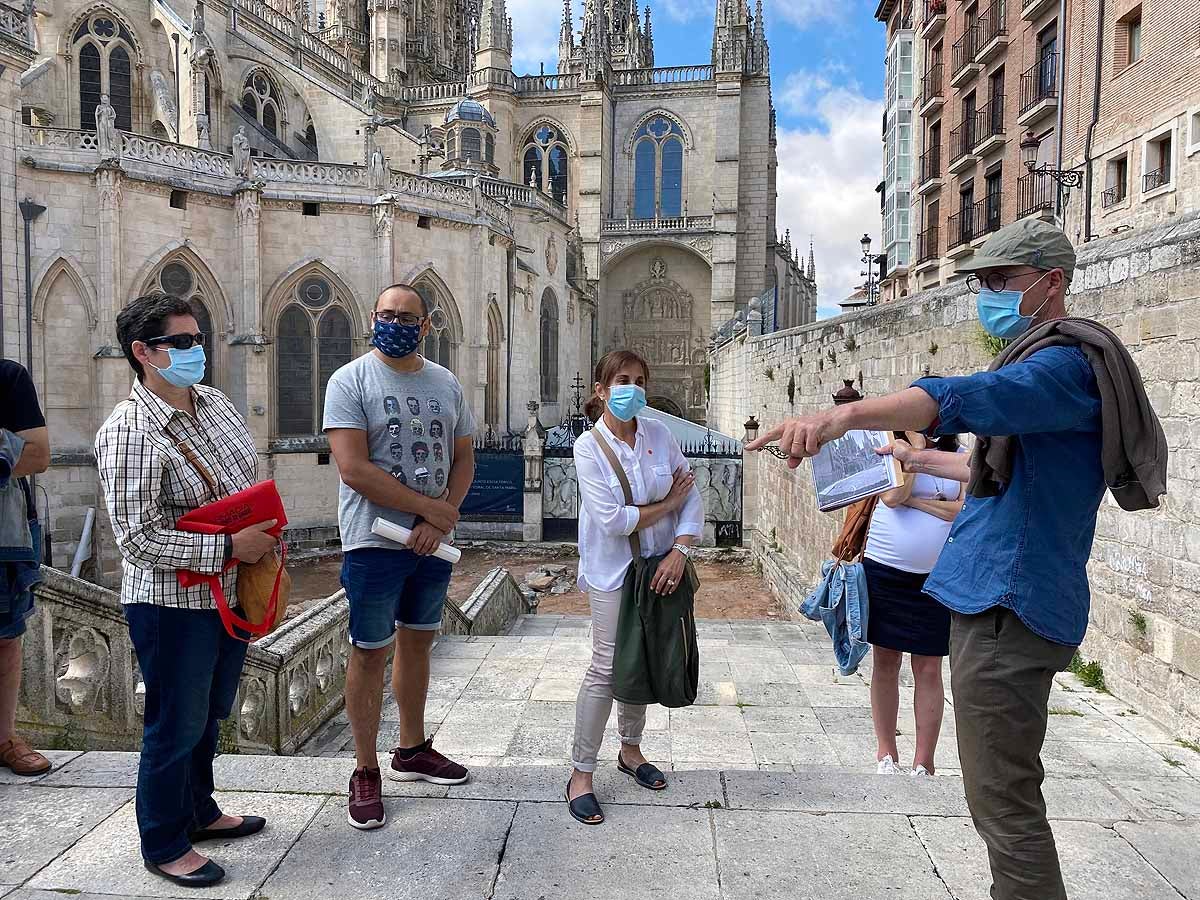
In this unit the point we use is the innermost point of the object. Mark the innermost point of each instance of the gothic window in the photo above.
(105, 49)
(545, 162)
(260, 101)
(470, 144)
(178, 278)
(450, 145)
(310, 135)
(549, 347)
(658, 169)
(313, 339)
(440, 342)
(491, 394)
(490, 148)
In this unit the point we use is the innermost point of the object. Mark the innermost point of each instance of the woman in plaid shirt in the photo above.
(190, 666)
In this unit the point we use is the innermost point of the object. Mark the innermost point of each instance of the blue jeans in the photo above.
(191, 669)
(389, 589)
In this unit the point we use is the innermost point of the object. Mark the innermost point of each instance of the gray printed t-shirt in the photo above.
(411, 420)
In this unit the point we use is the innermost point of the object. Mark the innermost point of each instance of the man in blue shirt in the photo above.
(1014, 568)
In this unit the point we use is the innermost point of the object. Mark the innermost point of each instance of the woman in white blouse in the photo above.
(668, 516)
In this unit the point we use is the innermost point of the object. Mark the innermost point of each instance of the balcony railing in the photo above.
(673, 223)
(1035, 193)
(15, 24)
(989, 121)
(1040, 82)
(1114, 195)
(933, 83)
(965, 49)
(962, 139)
(931, 164)
(933, 9)
(993, 23)
(1156, 179)
(974, 221)
(927, 245)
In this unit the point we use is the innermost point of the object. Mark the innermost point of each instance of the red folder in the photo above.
(258, 503)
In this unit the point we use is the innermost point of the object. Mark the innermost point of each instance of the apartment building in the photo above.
(895, 189)
(1132, 113)
(989, 74)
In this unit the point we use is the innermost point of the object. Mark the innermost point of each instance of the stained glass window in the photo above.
(89, 86)
(671, 203)
(294, 372)
(644, 160)
(470, 144)
(558, 174)
(533, 167)
(549, 347)
(120, 87)
(334, 350)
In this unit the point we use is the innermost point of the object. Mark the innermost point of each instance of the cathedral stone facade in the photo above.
(280, 161)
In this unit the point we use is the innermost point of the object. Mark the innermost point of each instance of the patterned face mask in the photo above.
(395, 340)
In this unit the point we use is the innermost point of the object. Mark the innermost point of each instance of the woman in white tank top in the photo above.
(909, 527)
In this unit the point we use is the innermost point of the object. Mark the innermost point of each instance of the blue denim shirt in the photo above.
(840, 601)
(1027, 548)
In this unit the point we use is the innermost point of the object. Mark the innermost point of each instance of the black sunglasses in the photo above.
(179, 341)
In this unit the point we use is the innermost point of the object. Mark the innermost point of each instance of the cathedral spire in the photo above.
(566, 38)
(812, 262)
(495, 29)
(597, 52)
(760, 53)
(731, 50)
(648, 62)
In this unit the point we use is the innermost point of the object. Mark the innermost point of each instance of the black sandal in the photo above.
(647, 775)
(585, 808)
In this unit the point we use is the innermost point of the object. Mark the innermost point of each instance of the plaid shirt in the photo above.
(148, 485)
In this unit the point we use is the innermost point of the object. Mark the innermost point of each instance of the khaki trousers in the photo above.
(595, 699)
(1000, 675)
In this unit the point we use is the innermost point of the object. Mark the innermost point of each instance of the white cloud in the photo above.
(536, 26)
(826, 183)
(804, 13)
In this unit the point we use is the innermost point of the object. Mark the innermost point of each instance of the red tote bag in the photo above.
(258, 503)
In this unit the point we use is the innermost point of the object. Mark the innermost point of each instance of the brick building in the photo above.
(988, 72)
(1133, 126)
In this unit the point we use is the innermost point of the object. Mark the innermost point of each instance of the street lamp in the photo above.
(751, 430)
(871, 271)
(1064, 178)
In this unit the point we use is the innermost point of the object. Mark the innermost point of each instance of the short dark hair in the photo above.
(426, 308)
(146, 318)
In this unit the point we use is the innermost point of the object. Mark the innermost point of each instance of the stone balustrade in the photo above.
(82, 690)
(300, 172)
(450, 90)
(547, 84)
(15, 24)
(657, 225)
(662, 75)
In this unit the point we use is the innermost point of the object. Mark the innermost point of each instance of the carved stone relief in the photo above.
(82, 657)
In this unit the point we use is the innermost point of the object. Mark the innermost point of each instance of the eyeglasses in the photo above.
(387, 317)
(993, 281)
(179, 341)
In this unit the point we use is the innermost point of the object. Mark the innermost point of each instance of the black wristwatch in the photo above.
(228, 547)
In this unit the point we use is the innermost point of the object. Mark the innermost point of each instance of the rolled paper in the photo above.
(398, 533)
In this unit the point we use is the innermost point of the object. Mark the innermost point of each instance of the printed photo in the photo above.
(848, 470)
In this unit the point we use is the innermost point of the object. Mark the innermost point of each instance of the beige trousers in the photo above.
(595, 700)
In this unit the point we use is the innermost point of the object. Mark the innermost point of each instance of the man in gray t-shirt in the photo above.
(400, 430)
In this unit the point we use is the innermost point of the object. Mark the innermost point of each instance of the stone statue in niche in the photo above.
(203, 141)
(108, 139)
(377, 171)
(241, 154)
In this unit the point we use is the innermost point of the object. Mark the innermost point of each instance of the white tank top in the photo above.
(910, 539)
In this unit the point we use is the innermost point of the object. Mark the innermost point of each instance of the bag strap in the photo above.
(193, 459)
(635, 542)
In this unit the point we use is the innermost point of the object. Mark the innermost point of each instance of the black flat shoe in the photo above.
(250, 825)
(647, 775)
(585, 808)
(205, 876)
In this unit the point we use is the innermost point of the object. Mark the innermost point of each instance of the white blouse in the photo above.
(605, 522)
(908, 539)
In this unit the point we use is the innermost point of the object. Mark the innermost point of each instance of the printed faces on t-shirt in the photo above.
(419, 456)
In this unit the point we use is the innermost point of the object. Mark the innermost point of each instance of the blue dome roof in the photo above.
(468, 110)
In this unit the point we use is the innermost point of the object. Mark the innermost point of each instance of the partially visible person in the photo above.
(189, 664)
(908, 529)
(1061, 416)
(414, 471)
(24, 451)
(667, 515)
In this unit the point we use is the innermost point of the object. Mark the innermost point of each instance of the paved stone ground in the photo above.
(770, 800)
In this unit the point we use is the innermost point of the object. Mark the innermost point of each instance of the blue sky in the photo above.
(827, 72)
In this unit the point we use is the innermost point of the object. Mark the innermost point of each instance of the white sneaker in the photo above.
(920, 772)
(887, 766)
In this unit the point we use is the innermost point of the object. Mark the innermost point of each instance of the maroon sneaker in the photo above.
(366, 800)
(427, 765)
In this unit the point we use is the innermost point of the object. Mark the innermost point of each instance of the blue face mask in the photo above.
(1000, 312)
(395, 340)
(625, 401)
(186, 368)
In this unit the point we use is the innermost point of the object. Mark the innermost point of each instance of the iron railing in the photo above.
(993, 23)
(965, 49)
(1035, 193)
(933, 9)
(927, 245)
(1040, 82)
(989, 121)
(1114, 195)
(931, 164)
(962, 138)
(973, 221)
(933, 83)
(1156, 179)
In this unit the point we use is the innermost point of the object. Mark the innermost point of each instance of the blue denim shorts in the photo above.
(389, 589)
(12, 620)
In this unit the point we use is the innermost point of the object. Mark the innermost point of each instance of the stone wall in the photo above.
(1145, 567)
